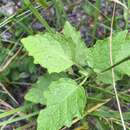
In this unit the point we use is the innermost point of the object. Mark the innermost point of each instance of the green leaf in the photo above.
(79, 48)
(106, 77)
(35, 94)
(57, 52)
(49, 50)
(98, 57)
(65, 100)
(124, 51)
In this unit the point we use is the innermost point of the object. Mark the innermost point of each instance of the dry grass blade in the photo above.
(113, 74)
(96, 107)
(5, 104)
(7, 92)
(9, 60)
(120, 3)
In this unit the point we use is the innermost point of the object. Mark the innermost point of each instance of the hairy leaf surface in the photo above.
(78, 46)
(57, 52)
(35, 94)
(65, 100)
(50, 51)
(99, 56)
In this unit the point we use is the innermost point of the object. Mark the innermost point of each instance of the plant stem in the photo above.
(38, 15)
(113, 74)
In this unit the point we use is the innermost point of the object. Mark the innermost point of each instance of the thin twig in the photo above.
(90, 111)
(10, 60)
(5, 104)
(12, 117)
(113, 74)
(13, 48)
(120, 3)
(7, 92)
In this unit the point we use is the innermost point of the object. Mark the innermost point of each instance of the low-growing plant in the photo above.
(61, 89)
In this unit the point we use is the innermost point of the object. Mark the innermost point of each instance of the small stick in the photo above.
(10, 60)
(120, 3)
(4, 88)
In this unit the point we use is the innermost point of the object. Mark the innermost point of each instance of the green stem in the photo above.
(60, 13)
(13, 111)
(38, 16)
(19, 118)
